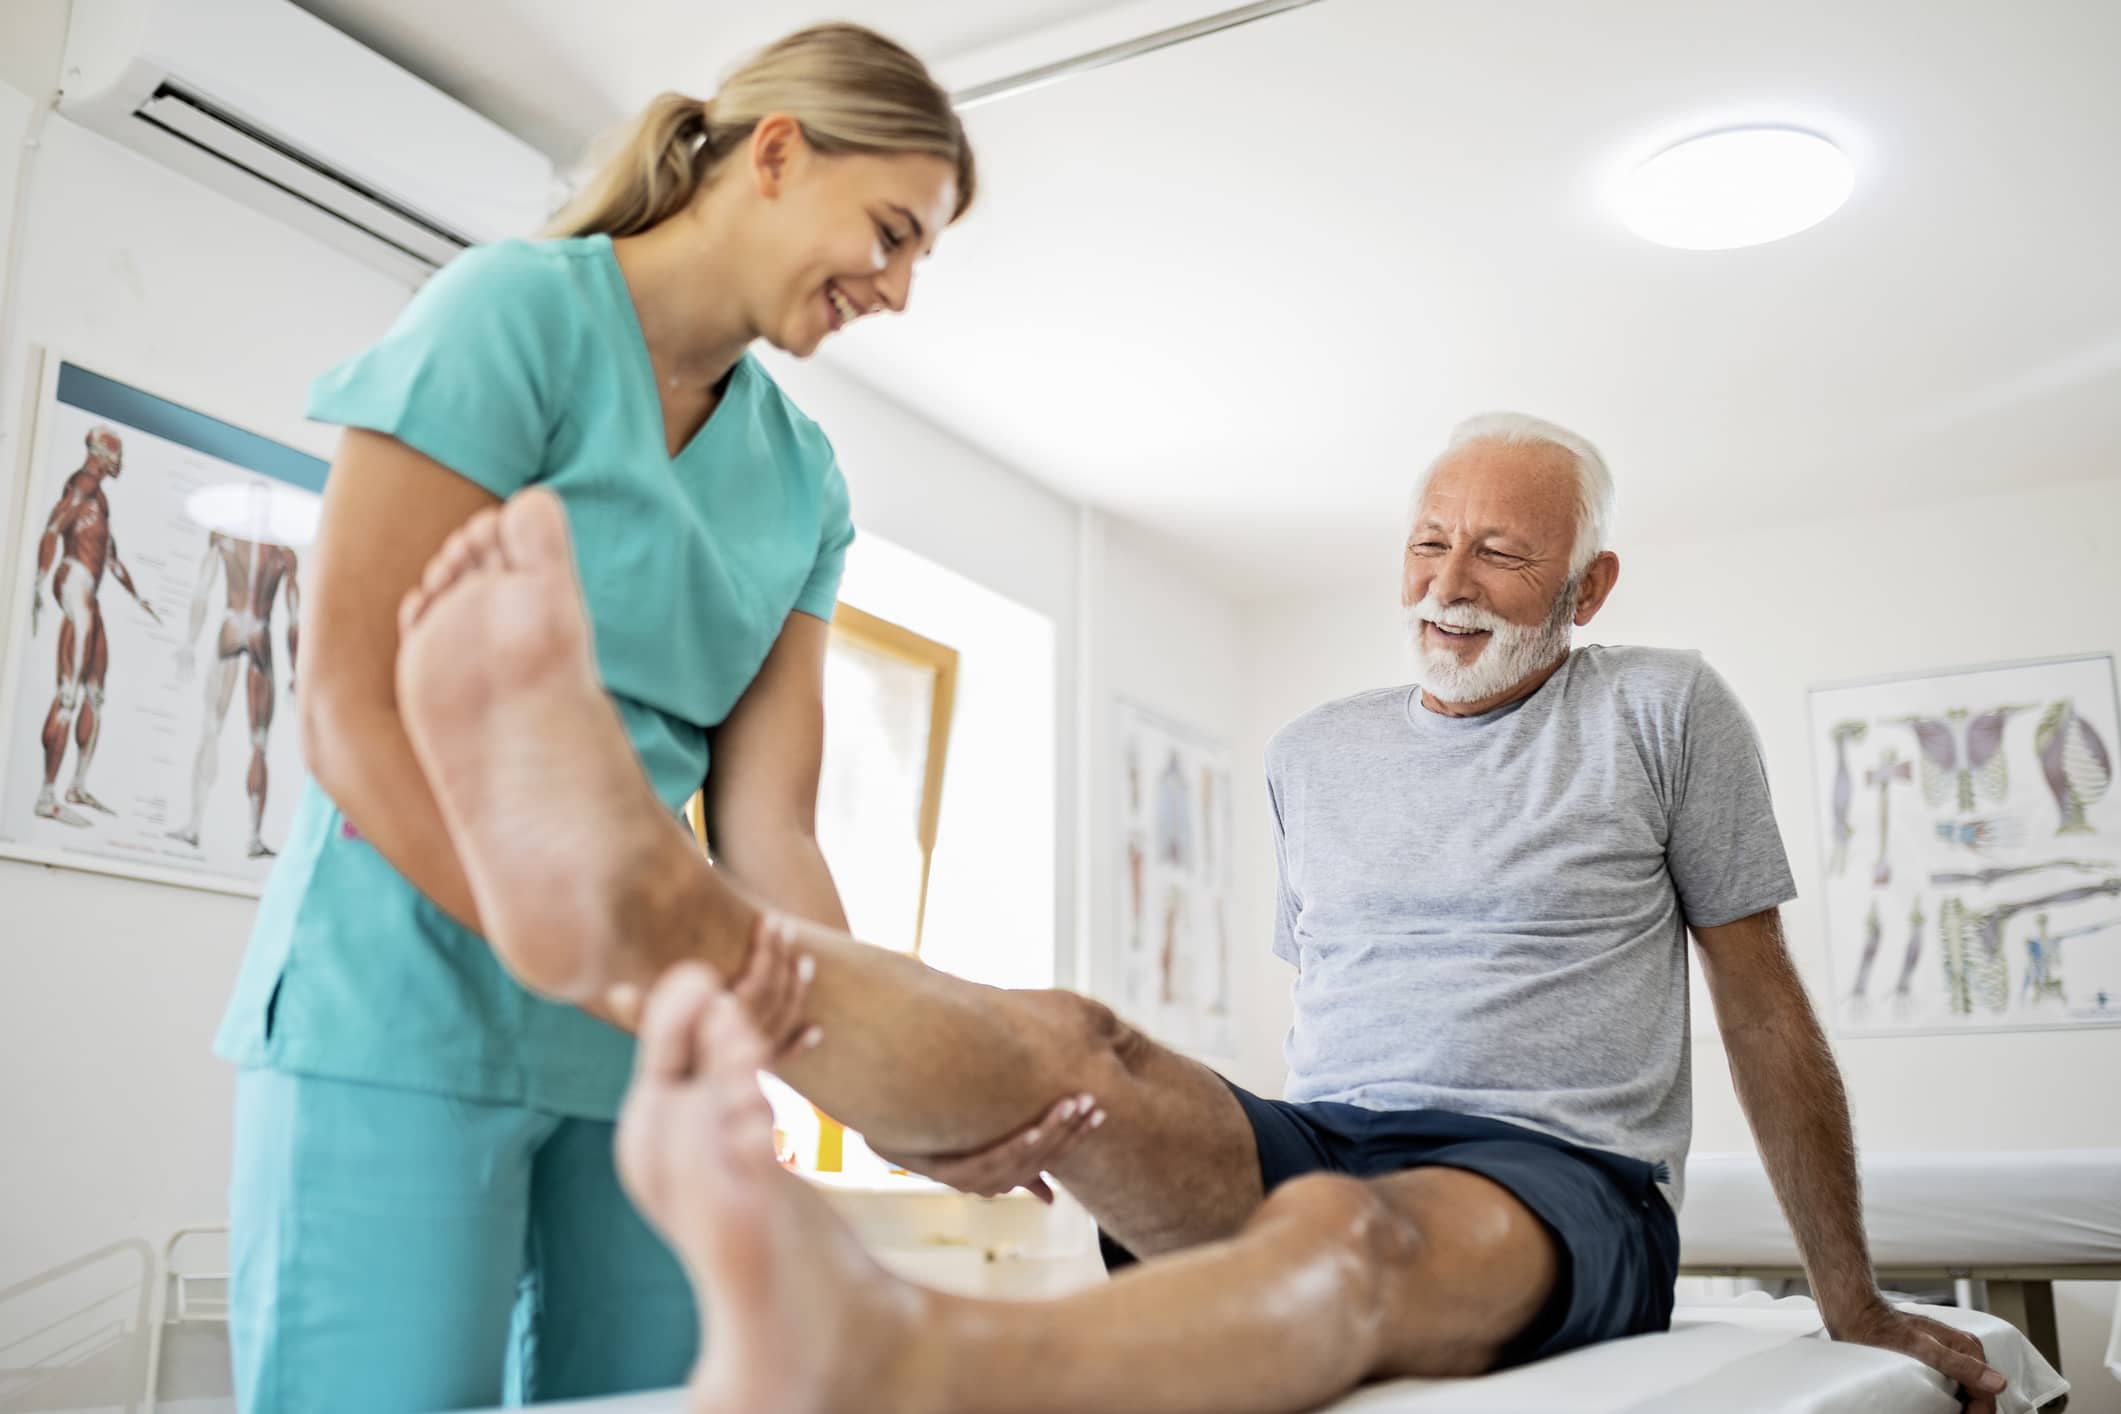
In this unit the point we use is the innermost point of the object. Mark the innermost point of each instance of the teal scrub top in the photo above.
(523, 364)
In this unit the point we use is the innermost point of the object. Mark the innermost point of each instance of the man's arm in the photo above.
(125, 578)
(294, 618)
(55, 527)
(1791, 1091)
(201, 597)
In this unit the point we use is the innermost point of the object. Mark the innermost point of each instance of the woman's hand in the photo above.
(1018, 1160)
(774, 988)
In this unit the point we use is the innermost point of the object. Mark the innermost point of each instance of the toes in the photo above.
(447, 566)
(672, 1024)
(533, 530)
(470, 547)
(735, 1051)
(481, 536)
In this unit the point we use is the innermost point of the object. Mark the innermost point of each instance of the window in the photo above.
(937, 798)
(889, 697)
(991, 912)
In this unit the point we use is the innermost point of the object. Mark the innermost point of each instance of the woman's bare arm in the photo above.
(387, 510)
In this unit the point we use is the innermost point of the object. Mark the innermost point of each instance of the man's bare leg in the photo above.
(88, 727)
(66, 698)
(584, 880)
(1331, 1282)
(206, 761)
(260, 702)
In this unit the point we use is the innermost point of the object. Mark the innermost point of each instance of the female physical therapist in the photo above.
(425, 1213)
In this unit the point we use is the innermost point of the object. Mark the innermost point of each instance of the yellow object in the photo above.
(831, 1143)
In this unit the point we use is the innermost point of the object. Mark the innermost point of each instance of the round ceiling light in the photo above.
(1744, 187)
(267, 512)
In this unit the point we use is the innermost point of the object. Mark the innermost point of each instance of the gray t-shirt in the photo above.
(1488, 914)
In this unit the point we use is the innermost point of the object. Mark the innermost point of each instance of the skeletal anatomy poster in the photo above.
(1175, 880)
(1972, 840)
(154, 647)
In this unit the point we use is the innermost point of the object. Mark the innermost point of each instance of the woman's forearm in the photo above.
(783, 868)
(365, 763)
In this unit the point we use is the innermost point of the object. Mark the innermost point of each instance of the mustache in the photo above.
(1459, 616)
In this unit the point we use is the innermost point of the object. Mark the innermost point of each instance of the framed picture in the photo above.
(1176, 872)
(154, 638)
(1972, 848)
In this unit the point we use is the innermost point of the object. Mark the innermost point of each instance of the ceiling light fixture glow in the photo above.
(1744, 187)
(267, 512)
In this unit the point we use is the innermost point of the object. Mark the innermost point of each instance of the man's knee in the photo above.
(1349, 1215)
(1354, 1248)
(1479, 1268)
(1477, 1222)
(1087, 1045)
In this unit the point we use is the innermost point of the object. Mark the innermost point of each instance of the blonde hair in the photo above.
(851, 89)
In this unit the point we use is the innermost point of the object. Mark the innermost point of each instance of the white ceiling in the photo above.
(1239, 290)
(560, 73)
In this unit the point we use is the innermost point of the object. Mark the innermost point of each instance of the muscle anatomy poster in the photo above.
(155, 645)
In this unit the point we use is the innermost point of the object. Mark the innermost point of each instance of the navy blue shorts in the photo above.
(1618, 1240)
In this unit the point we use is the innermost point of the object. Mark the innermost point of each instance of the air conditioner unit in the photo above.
(273, 106)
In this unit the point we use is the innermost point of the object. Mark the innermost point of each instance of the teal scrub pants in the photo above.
(396, 1251)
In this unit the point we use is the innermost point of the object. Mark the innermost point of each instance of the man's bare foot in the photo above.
(49, 808)
(78, 795)
(557, 828)
(803, 1321)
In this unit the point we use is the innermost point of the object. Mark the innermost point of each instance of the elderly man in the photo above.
(1486, 886)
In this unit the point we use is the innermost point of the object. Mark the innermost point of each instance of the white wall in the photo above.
(1169, 643)
(15, 113)
(115, 1116)
(2009, 577)
(34, 35)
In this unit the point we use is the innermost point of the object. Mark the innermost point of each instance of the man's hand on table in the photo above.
(1946, 1349)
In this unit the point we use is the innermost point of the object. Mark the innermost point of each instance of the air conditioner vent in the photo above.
(221, 134)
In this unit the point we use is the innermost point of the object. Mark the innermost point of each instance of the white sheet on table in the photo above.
(2018, 1208)
(1752, 1356)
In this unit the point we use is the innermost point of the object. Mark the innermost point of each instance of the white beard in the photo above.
(1512, 653)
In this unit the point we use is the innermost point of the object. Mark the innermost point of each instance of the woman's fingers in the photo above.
(1017, 1160)
(775, 986)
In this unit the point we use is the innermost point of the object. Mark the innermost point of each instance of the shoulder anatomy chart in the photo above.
(1971, 837)
(155, 640)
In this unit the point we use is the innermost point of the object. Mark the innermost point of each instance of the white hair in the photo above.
(1594, 483)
